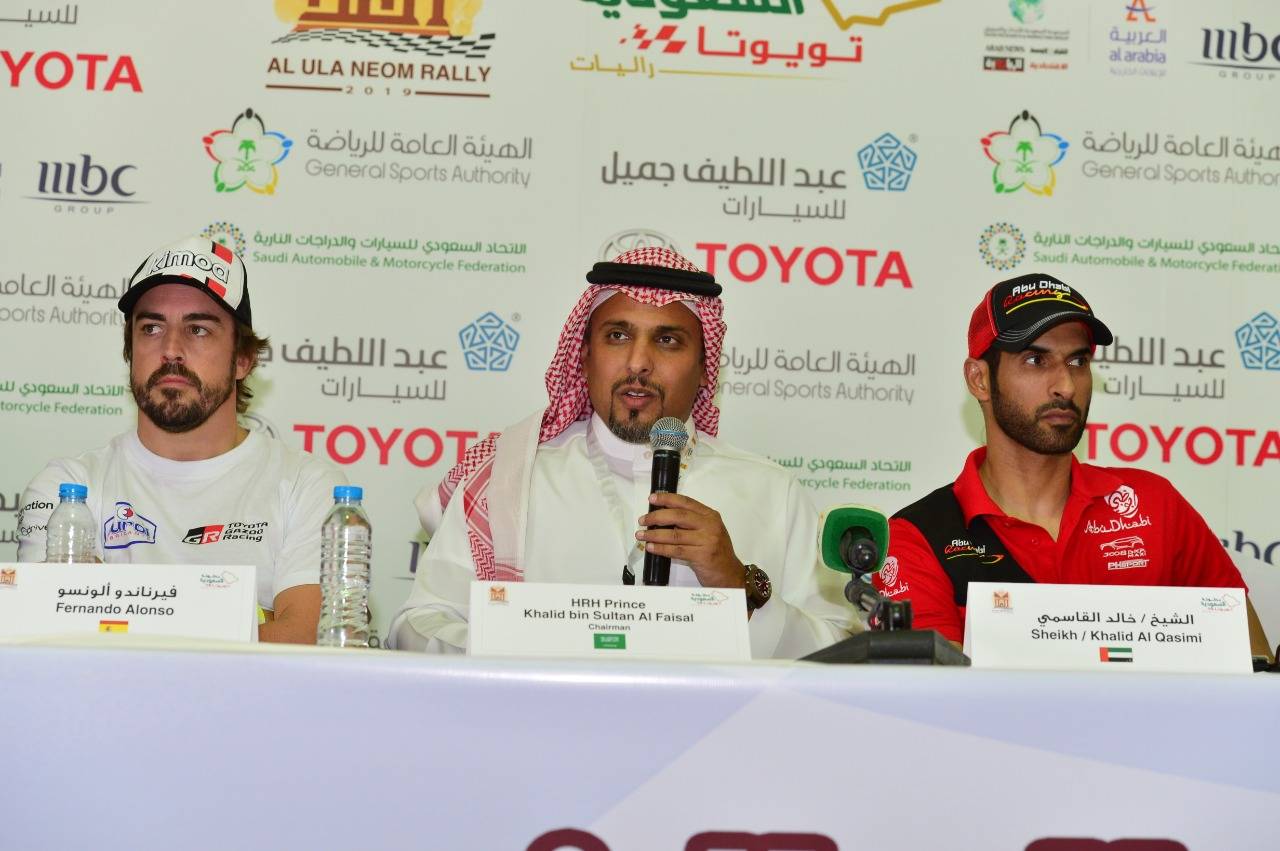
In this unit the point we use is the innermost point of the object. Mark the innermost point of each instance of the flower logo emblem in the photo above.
(1024, 156)
(1123, 501)
(247, 155)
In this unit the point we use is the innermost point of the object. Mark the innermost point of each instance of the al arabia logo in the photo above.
(227, 235)
(247, 154)
(624, 241)
(1123, 501)
(1024, 156)
(432, 27)
(889, 572)
(488, 344)
(1002, 246)
(127, 527)
(1027, 11)
(1259, 342)
(1139, 7)
(887, 164)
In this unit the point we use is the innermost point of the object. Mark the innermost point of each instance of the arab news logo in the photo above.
(1024, 156)
(489, 343)
(247, 154)
(1002, 246)
(887, 164)
(1259, 342)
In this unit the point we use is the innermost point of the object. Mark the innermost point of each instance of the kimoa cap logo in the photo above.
(203, 262)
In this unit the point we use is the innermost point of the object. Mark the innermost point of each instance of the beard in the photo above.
(629, 425)
(1027, 431)
(170, 413)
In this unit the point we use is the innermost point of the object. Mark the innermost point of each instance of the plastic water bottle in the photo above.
(72, 533)
(345, 550)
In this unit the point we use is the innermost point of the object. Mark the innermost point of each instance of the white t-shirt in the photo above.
(262, 503)
(576, 534)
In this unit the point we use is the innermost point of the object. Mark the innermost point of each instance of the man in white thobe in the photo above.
(564, 496)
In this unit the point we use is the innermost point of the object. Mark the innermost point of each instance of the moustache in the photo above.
(1061, 405)
(641, 382)
(173, 368)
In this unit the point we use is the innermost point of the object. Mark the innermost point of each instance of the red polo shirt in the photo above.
(1120, 526)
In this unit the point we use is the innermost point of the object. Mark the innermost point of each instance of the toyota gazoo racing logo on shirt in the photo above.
(216, 532)
(126, 527)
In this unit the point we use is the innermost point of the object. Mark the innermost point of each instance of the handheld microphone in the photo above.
(854, 539)
(667, 438)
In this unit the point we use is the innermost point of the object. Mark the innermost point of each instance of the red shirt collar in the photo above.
(1087, 483)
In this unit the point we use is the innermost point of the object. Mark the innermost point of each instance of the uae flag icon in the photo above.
(1115, 654)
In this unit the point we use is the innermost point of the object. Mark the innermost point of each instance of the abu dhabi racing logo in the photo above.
(126, 527)
(247, 154)
(1259, 342)
(1024, 156)
(488, 344)
(1123, 501)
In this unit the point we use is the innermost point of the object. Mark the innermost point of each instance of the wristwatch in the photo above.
(758, 587)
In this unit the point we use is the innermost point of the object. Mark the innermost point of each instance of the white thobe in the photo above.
(587, 492)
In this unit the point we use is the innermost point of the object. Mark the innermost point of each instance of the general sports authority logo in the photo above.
(126, 527)
(1024, 156)
(1002, 246)
(247, 154)
(489, 343)
(1259, 342)
(1123, 501)
(887, 164)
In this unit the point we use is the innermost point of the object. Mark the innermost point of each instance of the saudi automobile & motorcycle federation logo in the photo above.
(1002, 246)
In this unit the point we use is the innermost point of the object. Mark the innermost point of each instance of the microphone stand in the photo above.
(889, 638)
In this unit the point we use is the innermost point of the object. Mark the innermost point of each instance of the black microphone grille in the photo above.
(668, 433)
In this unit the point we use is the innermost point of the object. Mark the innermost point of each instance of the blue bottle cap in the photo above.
(70, 490)
(348, 492)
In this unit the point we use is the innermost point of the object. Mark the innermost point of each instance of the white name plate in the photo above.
(1107, 627)
(608, 621)
(185, 600)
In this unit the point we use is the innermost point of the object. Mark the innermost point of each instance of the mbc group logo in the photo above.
(85, 183)
(1245, 48)
(488, 344)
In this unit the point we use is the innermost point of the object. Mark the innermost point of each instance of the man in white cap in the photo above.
(190, 484)
(564, 496)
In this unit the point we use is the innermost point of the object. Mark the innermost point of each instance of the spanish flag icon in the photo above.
(113, 626)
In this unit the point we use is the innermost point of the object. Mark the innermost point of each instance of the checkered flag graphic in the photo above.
(644, 40)
(431, 45)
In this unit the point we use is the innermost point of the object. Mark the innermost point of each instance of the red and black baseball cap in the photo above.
(196, 262)
(1015, 312)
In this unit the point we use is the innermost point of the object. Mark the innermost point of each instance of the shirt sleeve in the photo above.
(434, 618)
(1199, 557)
(810, 596)
(919, 578)
(307, 502)
(38, 502)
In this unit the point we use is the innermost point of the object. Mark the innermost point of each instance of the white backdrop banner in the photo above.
(418, 188)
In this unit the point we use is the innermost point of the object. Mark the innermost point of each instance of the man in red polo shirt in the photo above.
(1024, 509)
